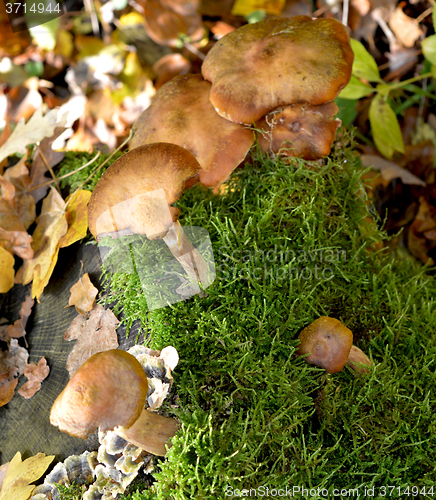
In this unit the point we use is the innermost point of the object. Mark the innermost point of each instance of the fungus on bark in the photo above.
(109, 391)
(182, 114)
(135, 196)
(328, 344)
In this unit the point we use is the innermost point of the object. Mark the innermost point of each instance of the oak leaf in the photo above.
(18, 329)
(16, 484)
(37, 128)
(77, 217)
(83, 294)
(52, 225)
(95, 332)
(36, 374)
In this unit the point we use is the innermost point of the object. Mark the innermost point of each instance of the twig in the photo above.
(44, 159)
(90, 162)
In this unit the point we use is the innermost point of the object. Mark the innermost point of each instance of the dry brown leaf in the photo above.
(7, 271)
(422, 233)
(36, 374)
(18, 176)
(390, 170)
(77, 218)
(405, 28)
(52, 225)
(13, 235)
(95, 332)
(44, 155)
(83, 294)
(36, 129)
(18, 329)
(7, 386)
(24, 100)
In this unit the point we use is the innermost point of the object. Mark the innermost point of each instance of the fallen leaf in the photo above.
(44, 155)
(83, 295)
(19, 177)
(18, 329)
(6, 270)
(405, 28)
(36, 374)
(95, 332)
(7, 386)
(389, 170)
(421, 237)
(77, 218)
(3, 470)
(24, 100)
(15, 358)
(52, 225)
(13, 235)
(16, 484)
(37, 128)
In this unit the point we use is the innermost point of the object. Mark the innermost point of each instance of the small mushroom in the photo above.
(135, 194)
(276, 62)
(109, 391)
(182, 114)
(165, 21)
(329, 344)
(299, 130)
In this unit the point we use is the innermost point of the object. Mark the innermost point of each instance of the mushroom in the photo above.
(134, 196)
(182, 114)
(299, 130)
(276, 62)
(165, 22)
(329, 344)
(109, 391)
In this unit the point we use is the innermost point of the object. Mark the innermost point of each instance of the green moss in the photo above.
(292, 243)
(73, 161)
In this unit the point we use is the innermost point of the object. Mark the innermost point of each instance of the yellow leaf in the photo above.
(6, 270)
(77, 218)
(52, 225)
(16, 485)
(37, 127)
(246, 7)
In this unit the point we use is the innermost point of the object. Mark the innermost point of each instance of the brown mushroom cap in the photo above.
(277, 62)
(328, 343)
(164, 26)
(134, 193)
(299, 130)
(108, 390)
(182, 114)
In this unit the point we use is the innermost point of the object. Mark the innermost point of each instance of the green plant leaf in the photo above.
(433, 16)
(385, 127)
(429, 48)
(364, 65)
(356, 89)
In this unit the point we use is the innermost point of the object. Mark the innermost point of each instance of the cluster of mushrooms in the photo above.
(278, 77)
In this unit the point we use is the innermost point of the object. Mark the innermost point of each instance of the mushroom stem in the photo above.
(189, 257)
(151, 432)
(358, 361)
